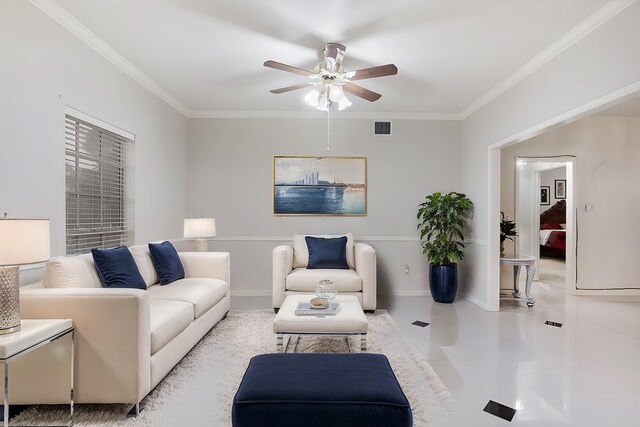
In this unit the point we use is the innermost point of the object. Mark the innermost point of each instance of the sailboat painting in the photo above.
(326, 186)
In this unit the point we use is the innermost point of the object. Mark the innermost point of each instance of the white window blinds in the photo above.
(99, 187)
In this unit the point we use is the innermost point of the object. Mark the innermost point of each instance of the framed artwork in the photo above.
(545, 191)
(323, 186)
(561, 188)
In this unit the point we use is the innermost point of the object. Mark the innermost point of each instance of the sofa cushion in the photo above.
(201, 293)
(166, 262)
(76, 271)
(303, 279)
(117, 269)
(167, 319)
(327, 253)
(301, 253)
(142, 257)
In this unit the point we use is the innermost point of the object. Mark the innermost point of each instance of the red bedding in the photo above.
(557, 240)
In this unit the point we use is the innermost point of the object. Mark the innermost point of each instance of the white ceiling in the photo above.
(209, 54)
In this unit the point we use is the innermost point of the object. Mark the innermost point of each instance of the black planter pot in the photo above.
(443, 281)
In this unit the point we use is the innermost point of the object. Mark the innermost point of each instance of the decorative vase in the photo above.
(326, 289)
(501, 248)
(443, 282)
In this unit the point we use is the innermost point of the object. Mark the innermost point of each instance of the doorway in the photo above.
(544, 213)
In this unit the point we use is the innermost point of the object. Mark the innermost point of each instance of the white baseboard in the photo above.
(476, 301)
(606, 292)
(250, 293)
(407, 293)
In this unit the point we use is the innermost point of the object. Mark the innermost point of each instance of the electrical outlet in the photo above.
(406, 269)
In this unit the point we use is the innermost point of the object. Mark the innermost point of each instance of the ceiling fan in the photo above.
(329, 79)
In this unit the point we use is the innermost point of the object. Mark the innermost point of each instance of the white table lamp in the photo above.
(22, 241)
(200, 229)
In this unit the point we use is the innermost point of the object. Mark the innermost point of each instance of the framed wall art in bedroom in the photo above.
(561, 188)
(323, 186)
(545, 196)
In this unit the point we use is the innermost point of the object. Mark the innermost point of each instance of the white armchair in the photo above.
(291, 276)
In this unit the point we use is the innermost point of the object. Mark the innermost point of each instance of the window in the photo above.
(99, 186)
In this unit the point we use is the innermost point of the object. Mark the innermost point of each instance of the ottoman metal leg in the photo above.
(279, 346)
(363, 342)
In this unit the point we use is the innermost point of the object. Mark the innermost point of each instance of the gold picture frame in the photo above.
(319, 186)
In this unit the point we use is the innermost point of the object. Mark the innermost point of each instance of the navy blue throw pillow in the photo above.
(327, 253)
(166, 262)
(117, 269)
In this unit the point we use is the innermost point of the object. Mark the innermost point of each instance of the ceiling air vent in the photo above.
(382, 128)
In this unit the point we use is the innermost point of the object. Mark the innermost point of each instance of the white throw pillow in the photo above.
(142, 257)
(72, 272)
(301, 252)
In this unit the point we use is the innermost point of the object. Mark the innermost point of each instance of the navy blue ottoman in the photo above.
(320, 390)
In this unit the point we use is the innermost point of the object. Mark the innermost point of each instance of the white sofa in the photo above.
(127, 340)
(292, 277)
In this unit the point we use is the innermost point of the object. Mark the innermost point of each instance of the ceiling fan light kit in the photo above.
(329, 80)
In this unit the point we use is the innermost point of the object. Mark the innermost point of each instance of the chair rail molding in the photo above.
(290, 238)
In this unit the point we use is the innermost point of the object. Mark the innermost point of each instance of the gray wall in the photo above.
(596, 65)
(45, 68)
(607, 178)
(230, 178)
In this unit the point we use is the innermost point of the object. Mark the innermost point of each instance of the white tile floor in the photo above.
(586, 373)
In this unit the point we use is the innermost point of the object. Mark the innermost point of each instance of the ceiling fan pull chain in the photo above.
(328, 132)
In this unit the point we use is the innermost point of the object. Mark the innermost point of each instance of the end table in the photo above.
(518, 261)
(33, 334)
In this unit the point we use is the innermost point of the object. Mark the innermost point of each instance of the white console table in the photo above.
(518, 261)
(33, 334)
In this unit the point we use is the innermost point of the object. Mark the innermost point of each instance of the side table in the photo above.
(518, 261)
(33, 334)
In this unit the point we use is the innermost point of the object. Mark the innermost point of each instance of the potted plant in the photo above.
(507, 230)
(441, 219)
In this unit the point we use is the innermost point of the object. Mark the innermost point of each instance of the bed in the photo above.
(553, 234)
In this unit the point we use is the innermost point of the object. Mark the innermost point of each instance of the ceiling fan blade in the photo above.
(361, 92)
(379, 71)
(333, 55)
(290, 88)
(284, 67)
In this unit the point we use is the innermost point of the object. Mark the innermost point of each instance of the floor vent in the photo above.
(500, 410)
(382, 128)
(556, 324)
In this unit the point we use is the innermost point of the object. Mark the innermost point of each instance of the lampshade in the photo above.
(199, 227)
(24, 241)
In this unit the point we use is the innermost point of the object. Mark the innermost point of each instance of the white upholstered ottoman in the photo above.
(350, 320)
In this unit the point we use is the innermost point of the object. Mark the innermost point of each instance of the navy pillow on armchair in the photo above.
(327, 253)
(117, 269)
(166, 262)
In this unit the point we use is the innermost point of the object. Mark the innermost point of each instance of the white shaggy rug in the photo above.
(200, 389)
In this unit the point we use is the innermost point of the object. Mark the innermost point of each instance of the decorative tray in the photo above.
(304, 309)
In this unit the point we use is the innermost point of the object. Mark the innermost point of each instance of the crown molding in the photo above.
(69, 22)
(621, 95)
(314, 114)
(405, 239)
(64, 18)
(581, 30)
